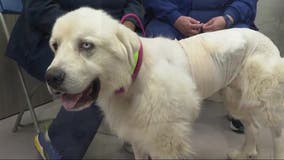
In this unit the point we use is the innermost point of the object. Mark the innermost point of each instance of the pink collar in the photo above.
(136, 69)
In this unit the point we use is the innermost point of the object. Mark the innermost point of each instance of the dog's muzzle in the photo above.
(55, 78)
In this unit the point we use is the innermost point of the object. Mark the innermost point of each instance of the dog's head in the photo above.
(93, 52)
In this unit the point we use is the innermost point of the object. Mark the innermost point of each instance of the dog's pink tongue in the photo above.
(69, 101)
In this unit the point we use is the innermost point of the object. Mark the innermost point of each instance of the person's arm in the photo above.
(134, 6)
(166, 10)
(238, 11)
(241, 10)
(42, 14)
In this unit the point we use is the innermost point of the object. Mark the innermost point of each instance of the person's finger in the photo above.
(194, 32)
(206, 27)
(130, 25)
(210, 22)
(209, 25)
(196, 26)
(193, 21)
(209, 29)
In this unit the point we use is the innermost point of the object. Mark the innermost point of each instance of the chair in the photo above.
(15, 7)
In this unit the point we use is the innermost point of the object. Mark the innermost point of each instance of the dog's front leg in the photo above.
(139, 153)
(249, 148)
(278, 137)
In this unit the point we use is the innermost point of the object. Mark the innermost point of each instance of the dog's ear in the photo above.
(129, 40)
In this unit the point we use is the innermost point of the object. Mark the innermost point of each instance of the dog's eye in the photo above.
(86, 46)
(55, 46)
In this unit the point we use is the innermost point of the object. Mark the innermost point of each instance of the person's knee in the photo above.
(157, 28)
(37, 69)
(39, 62)
(241, 25)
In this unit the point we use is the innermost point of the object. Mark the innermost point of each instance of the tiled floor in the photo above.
(211, 138)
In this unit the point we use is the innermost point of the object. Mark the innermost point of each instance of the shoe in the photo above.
(44, 147)
(236, 126)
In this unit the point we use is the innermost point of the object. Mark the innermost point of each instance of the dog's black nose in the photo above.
(54, 77)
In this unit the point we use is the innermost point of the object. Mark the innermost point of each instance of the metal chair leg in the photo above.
(6, 32)
(36, 125)
(35, 121)
(18, 120)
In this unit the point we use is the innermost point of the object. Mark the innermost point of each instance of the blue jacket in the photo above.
(243, 11)
(33, 27)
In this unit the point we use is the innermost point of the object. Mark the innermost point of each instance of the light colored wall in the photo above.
(270, 20)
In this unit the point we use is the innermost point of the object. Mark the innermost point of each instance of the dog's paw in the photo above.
(237, 154)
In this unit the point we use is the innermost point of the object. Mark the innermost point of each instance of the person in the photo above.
(185, 18)
(70, 133)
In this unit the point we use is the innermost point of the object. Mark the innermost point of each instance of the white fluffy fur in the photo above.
(157, 110)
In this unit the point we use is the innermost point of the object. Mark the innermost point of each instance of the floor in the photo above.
(211, 139)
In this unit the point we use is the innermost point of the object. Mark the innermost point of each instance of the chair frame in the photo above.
(22, 81)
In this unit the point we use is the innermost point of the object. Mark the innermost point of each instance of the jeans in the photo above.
(156, 28)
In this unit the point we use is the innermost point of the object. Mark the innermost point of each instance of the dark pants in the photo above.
(70, 132)
(156, 28)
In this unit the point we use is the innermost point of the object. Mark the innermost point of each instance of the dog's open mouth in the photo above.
(83, 99)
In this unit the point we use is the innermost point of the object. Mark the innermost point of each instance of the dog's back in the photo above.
(216, 58)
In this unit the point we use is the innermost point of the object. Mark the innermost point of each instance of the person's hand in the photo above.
(129, 25)
(188, 26)
(214, 24)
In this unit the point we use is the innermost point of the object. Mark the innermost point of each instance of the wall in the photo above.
(270, 20)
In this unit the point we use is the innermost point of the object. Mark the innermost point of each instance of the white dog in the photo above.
(150, 89)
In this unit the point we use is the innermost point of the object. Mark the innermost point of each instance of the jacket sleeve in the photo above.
(42, 14)
(242, 10)
(134, 6)
(166, 10)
